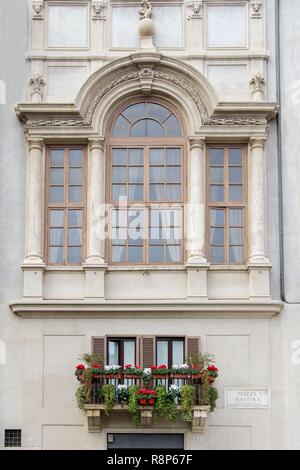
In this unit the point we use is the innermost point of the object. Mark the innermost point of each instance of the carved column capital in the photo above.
(38, 10)
(195, 7)
(257, 142)
(96, 143)
(98, 10)
(35, 142)
(196, 142)
(256, 8)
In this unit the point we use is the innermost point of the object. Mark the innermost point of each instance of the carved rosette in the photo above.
(194, 9)
(38, 9)
(256, 8)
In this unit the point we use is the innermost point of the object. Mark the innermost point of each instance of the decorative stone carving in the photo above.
(196, 7)
(235, 121)
(146, 26)
(200, 414)
(98, 10)
(257, 84)
(256, 8)
(94, 420)
(38, 10)
(146, 76)
(37, 83)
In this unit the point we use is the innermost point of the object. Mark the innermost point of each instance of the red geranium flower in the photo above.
(213, 368)
(96, 366)
(80, 367)
(137, 366)
(162, 366)
(154, 367)
(128, 366)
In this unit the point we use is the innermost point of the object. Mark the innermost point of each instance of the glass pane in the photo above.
(121, 127)
(135, 192)
(135, 254)
(113, 353)
(139, 129)
(136, 174)
(236, 217)
(156, 217)
(74, 254)
(172, 127)
(173, 174)
(236, 254)
(158, 112)
(236, 175)
(217, 193)
(75, 194)
(235, 156)
(57, 157)
(173, 192)
(162, 353)
(217, 217)
(75, 218)
(75, 236)
(56, 255)
(129, 353)
(119, 236)
(154, 129)
(57, 176)
(236, 236)
(216, 156)
(156, 254)
(135, 236)
(156, 235)
(217, 255)
(173, 217)
(57, 194)
(76, 158)
(217, 236)
(173, 234)
(119, 254)
(119, 174)
(173, 157)
(76, 176)
(136, 157)
(135, 112)
(56, 236)
(157, 157)
(119, 157)
(217, 175)
(178, 352)
(157, 192)
(56, 218)
(235, 193)
(173, 253)
(118, 191)
(157, 174)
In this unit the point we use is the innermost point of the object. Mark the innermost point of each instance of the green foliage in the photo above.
(108, 395)
(188, 398)
(201, 360)
(81, 397)
(165, 404)
(89, 358)
(133, 404)
(205, 389)
(213, 396)
(123, 395)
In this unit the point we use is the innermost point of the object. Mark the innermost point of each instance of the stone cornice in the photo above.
(149, 309)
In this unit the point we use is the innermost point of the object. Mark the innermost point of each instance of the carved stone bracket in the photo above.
(195, 8)
(257, 84)
(37, 83)
(94, 420)
(147, 417)
(200, 414)
(38, 9)
(98, 9)
(256, 8)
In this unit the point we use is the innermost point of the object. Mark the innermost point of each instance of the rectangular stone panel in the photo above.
(226, 26)
(65, 81)
(67, 26)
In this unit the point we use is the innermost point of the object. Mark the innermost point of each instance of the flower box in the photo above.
(160, 376)
(178, 376)
(112, 376)
(131, 376)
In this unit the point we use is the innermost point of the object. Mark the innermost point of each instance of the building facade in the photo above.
(147, 159)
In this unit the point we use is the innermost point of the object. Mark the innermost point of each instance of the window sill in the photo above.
(64, 268)
(146, 268)
(228, 267)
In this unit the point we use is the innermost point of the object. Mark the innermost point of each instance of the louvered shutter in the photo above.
(148, 351)
(98, 346)
(192, 346)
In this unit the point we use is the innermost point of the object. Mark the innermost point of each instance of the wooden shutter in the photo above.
(99, 346)
(192, 346)
(148, 351)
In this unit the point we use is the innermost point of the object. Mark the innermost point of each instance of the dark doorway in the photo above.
(145, 441)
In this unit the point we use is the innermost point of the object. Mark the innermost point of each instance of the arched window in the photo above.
(146, 187)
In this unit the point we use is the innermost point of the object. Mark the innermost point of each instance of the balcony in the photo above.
(177, 397)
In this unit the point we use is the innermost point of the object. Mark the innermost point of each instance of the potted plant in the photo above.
(187, 399)
(180, 371)
(133, 404)
(122, 394)
(79, 372)
(112, 372)
(160, 372)
(213, 372)
(107, 393)
(147, 396)
(97, 370)
(132, 372)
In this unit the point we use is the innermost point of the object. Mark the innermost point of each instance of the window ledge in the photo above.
(146, 268)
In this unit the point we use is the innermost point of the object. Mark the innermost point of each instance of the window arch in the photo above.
(146, 185)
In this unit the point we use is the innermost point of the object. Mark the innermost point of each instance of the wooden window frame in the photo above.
(146, 143)
(121, 340)
(226, 204)
(65, 206)
(170, 340)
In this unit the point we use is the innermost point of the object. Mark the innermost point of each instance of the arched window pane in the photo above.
(139, 129)
(121, 127)
(154, 129)
(147, 128)
(172, 127)
(135, 112)
(158, 112)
